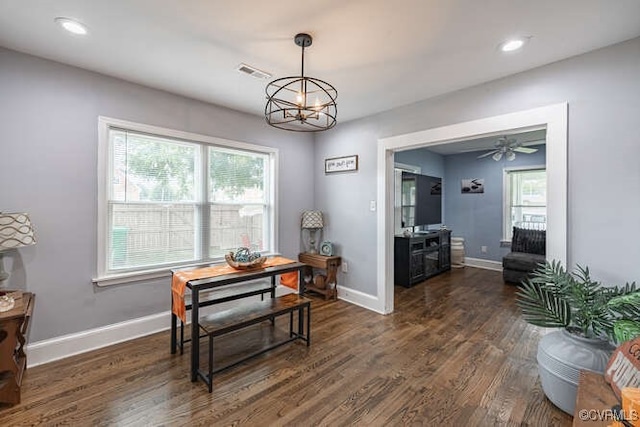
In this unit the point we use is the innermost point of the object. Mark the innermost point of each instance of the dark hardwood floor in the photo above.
(455, 353)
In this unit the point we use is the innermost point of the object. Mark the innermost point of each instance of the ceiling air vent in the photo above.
(253, 72)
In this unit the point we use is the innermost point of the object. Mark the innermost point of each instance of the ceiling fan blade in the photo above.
(525, 150)
(487, 154)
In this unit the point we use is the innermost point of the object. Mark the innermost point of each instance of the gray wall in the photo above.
(430, 163)
(603, 92)
(478, 217)
(48, 168)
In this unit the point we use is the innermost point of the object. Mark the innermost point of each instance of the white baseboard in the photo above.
(483, 263)
(46, 351)
(57, 348)
(361, 299)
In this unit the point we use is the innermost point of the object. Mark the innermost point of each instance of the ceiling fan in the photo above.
(507, 148)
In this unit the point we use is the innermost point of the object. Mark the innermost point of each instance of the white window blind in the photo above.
(526, 200)
(172, 201)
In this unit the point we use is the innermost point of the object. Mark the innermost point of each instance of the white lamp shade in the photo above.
(312, 219)
(15, 231)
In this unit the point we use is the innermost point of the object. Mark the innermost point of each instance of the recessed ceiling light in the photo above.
(511, 45)
(72, 25)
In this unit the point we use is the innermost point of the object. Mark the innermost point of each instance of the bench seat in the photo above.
(245, 315)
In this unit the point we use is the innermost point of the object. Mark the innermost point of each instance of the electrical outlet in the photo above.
(345, 267)
(483, 249)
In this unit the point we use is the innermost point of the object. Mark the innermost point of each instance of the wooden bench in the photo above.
(245, 315)
(226, 294)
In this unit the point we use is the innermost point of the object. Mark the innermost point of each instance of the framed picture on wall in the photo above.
(341, 164)
(473, 185)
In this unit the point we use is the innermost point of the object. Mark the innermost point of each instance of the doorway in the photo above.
(553, 118)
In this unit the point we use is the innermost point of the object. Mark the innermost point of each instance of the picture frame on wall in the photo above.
(341, 164)
(472, 185)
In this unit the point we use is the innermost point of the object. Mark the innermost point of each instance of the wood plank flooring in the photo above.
(455, 352)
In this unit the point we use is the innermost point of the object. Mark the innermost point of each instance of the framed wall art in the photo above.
(475, 185)
(341, 164)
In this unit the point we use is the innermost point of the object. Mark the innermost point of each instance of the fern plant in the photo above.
(555, 298)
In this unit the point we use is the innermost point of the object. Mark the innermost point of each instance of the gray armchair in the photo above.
(527, 252)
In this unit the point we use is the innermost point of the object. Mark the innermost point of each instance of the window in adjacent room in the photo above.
(171, 199)
(525, 200)
(397, 204)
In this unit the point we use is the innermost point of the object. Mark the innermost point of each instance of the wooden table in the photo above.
(196, 286)
(595, 399)
(13, 331)
(328, 263)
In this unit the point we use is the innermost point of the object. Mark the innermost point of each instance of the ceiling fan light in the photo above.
(497, 156)
(510, 155)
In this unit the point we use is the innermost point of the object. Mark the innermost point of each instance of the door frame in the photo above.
(553, 118)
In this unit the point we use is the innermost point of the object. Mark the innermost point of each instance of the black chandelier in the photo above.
(301, 104)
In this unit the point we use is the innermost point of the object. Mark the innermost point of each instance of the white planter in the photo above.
(561, 356)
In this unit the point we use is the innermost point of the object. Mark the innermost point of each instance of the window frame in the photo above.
(103, 276)
(506, 198)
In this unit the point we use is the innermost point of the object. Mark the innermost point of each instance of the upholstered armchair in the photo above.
(527, 251)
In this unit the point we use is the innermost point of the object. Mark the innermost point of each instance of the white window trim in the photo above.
(506, 208)
(104, 123)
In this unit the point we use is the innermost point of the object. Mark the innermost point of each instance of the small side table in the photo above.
(13, 331)
(328, 263)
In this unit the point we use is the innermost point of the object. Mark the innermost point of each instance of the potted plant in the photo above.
(592, 318)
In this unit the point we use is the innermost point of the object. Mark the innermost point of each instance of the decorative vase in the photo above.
(561, 356)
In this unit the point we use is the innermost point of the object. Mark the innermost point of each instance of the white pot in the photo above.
(561, 356)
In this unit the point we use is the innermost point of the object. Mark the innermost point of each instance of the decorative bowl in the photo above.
(243, 259)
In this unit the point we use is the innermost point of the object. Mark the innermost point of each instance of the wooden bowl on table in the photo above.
(256, 263)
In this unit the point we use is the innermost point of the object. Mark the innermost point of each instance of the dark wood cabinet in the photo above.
(13, 332)
(420, 256)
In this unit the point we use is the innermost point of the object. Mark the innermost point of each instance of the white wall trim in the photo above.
(359, 298)
(57, 348)
(553, 117)
(486, 264)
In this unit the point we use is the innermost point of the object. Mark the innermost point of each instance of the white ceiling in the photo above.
(379, 54)
(535, 137)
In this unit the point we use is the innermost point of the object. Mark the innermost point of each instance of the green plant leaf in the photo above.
(542, 307)
(625, 330)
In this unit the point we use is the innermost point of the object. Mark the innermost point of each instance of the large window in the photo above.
(170, 199)
(525, 200)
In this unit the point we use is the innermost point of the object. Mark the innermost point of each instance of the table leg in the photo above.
(174, 320)
(332, 278)
(273, 287)
(195, 335)
(301, 273)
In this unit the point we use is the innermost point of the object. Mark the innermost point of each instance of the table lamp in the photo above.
(312, 221)
(15, 232)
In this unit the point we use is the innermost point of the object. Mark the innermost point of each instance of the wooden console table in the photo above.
(13, 331)
(328, 263)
